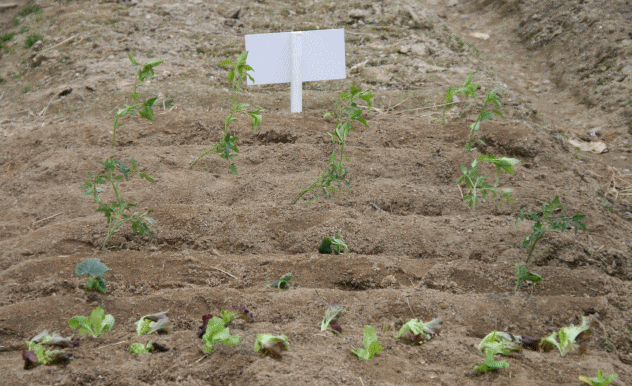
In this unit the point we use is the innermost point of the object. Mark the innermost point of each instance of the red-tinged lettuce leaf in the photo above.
(61, 359)
(30, 359)
(530, 343)
(272, 345)
(55, 339)
(205, 319)
(160, 347)
(274, 349)
(245, 314)
(335, 326)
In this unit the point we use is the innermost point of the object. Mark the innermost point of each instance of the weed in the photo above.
(116, 213)
(226, 145)
(600, 380)
(143, 109)
(26, 89)
(94, 268)
(523, 274)
(548, 220)
(476, 186)
(333, 244)
(29, 9)
(32, 39)
(345, 111)
(7, 37)
(606, 206)
(16, 20)
(64, 59)
(96, 325)
(484, 115)
(371, 344)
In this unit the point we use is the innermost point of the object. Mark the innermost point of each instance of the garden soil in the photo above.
(564, 74)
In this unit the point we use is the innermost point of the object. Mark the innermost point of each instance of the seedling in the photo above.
(283, 283)
(54, 339)
(523, 274)
(497, 343)
(96, 325)
(143, 109)
(226, 145)
(333, 313)
(36, 354)
(273, 345)
(150, 347)
(476, 186)
(154, 324)
(418, 332)
(233, 313)
(468, 89)
(484, 116)
(94, 268)
(333, 244)
(29, 9)
(600, 380)
(118, 212)
(567, 337)
(345, 111)
(371, 344)
(552, 217)
(216, 332)
(490, 363)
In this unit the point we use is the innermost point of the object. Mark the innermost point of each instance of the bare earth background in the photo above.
(564, 70)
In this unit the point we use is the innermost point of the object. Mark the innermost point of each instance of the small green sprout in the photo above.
(96, 325)
(332, 315)
(283, 283)
(226, 145)
(371, 344)
(143, 109)
(333, 244)
(94, 268)
(548, 219)
(600, 380)
(468, 89)
(476, 186)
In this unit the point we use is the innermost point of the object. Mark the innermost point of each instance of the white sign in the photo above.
(296, 57)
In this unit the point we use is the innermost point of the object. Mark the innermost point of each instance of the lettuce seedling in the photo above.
(418, 332)
(600, 380)
(476, 185)
(55, 339)
(333, 244)
(94, 268)
(273, 345)
(216, 332)
(523, 274)
(333, 313)
(240, 312)
(371, 344)
(500, 342)
(283, 283)
(489, 363)
(154, 324)
(118, 212)
(36, 354)
(143, 109)
(552, 217)
(567, 337)
(96, 325)
(138, 348)
(345, 111)
(226, 145)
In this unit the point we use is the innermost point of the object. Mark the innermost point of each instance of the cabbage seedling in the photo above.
(143, 109)
(476, 186)
(283, 283)
(226, 145)
(94, 268)
(345, 111)
(118, 212)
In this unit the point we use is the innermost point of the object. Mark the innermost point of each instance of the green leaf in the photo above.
(216, 332)
(233, 169)
(131, 59)
(242, 58)
(332, 314)
(600, 380)
(93, 267)
(497, 112)
(96, 284)
(371, 344)
(283, 283)
(419, 332)
(490, 363)
(523, 274)
(567, 336)
(226, 62)
(138, 348)
(485, 115)
(231, 75)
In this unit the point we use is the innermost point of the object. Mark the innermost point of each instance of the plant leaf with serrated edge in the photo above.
(600, 380)
(523, 274)
(371, 344)
(567, 337)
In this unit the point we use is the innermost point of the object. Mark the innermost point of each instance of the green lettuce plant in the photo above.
(154, 324)
(565, 340)
(497, 343)
(273, 345)
(418, 332)
(477, 188)
(330, 321)
(94, 268)
(216, 332)
(226, 145)
(345, 112)
(143, 109)
(139, 348)
(96, 325)
(371, 344)
(119, 212)
(599, 380)
(551, 217)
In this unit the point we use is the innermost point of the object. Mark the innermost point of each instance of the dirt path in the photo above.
(416, 251)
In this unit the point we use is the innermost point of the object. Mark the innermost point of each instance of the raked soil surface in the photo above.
(564, 74)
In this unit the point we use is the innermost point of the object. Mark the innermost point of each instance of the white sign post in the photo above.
(297, 57)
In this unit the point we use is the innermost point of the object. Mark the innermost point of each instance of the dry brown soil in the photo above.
(563, 69)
